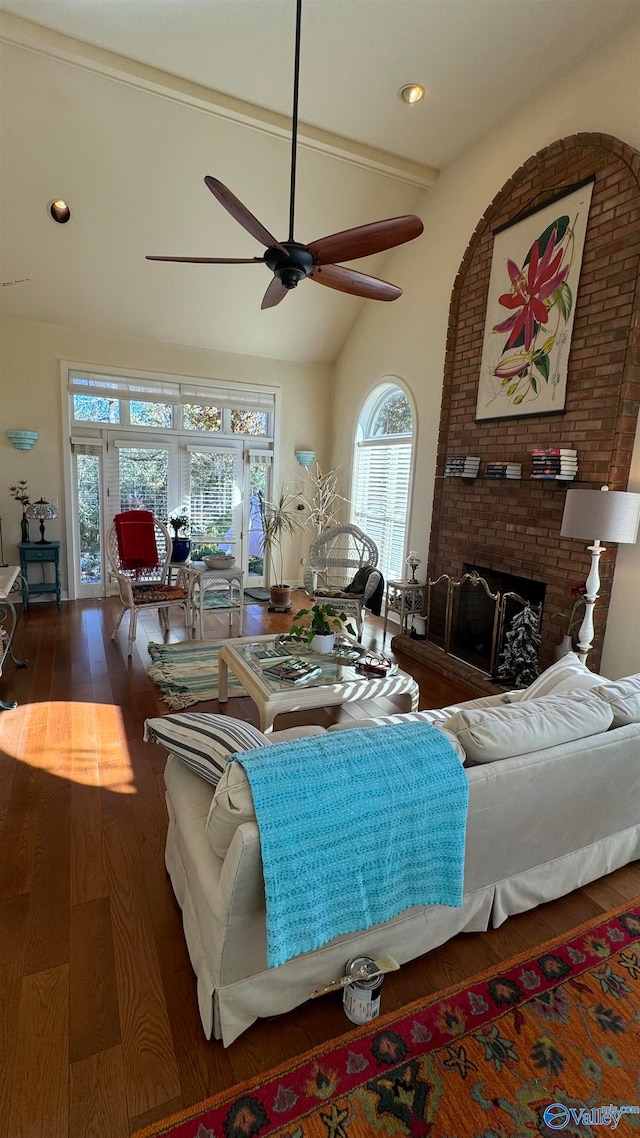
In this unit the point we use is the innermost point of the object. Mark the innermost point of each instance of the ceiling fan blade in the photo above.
(365, 239)
(359, 284)
(241, 214)
(274, 294)
(212, 260)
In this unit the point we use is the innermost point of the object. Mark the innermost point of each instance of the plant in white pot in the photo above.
(321, 631)
(278, 522)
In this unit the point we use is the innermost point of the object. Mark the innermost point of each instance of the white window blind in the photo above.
(380, 500)
(117, 387)
(212, 395)
(215, 495)
(158, 390)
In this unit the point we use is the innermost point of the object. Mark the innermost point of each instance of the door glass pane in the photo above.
(196, 418)
(143, 476)
(88, 484)
(213, 495)
(258, 491)
(150, 414)
(95, 409)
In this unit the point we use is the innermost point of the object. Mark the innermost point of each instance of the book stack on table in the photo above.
(554, 463)
(295, 670)
(461, 466)
(503, 470)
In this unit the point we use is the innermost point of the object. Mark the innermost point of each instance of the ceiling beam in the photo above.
(43, 41)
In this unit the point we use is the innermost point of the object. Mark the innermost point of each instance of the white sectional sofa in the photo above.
(554, 802)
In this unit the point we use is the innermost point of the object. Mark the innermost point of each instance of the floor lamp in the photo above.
(613, 515)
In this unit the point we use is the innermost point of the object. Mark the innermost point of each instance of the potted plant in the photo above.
(278, 523)
(320, 630)
(179, 523)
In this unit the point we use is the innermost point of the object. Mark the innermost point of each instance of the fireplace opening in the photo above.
(476, 617)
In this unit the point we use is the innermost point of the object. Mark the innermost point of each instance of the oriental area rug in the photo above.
(187, 673)
(549, 1043)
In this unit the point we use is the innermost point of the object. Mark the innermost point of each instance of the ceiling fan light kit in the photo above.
(290, 261)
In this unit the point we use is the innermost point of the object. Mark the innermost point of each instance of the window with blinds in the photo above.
(214, 495)
(382, 476)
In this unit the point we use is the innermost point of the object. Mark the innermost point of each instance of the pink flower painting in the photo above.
(530, 309)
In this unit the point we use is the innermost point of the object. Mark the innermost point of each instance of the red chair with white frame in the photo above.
(139, 550)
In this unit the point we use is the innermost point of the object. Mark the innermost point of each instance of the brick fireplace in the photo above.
(513, 527)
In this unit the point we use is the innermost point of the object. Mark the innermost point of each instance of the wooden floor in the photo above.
(99, 1025)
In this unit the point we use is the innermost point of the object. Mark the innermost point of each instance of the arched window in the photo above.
(382, 475)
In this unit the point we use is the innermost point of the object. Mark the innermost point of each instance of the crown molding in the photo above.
(128, 72)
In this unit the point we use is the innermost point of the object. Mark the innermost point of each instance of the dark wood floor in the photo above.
(99, 1025)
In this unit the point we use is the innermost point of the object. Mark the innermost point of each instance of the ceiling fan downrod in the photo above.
(294, 119)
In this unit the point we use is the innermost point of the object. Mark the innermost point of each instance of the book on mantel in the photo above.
(503, 470)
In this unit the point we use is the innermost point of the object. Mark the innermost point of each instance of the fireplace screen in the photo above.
(468, 618)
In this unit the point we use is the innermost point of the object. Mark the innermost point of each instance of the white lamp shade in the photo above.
(602, 515)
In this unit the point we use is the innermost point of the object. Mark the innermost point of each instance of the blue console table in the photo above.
(35, 552)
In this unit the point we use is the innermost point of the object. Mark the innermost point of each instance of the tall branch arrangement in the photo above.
(324, 502)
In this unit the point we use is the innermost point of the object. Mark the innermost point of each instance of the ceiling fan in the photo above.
(290, 261)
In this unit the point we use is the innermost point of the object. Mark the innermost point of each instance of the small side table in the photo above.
(404, 597)
(33, 552)
(211, 577)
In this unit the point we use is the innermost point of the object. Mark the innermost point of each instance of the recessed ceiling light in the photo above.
(59, 211)
(411, 93)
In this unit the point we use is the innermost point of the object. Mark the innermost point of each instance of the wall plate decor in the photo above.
(533, 287)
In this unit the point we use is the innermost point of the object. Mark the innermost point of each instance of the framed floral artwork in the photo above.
(531, 304)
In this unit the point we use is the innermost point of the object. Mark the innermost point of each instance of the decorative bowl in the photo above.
(219, 561)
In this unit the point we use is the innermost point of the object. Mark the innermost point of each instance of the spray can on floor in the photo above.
(361, 997)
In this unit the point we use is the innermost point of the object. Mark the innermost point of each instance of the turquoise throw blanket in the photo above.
(355, 827)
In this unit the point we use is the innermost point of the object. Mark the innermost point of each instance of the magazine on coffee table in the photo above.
(268, 654)
(294, 670)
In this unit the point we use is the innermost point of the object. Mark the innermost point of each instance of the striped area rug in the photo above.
(187, 673)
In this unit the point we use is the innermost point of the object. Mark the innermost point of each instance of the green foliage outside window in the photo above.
(196, 418)
(393, 418)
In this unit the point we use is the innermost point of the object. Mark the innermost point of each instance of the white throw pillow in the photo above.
(203, 741)
(568, 672)
(501, 732)
(231, 805)
(623, 696)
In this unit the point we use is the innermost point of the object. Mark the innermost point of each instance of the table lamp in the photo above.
(41, 511)
(613, 515)
(413, 561)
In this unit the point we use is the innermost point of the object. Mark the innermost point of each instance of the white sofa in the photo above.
(540, 824)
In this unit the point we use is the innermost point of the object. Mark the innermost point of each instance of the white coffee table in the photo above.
(338, 683)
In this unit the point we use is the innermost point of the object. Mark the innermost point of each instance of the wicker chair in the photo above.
(335, 556)
(148, 587)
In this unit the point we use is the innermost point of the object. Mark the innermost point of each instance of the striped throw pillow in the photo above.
(203, 741)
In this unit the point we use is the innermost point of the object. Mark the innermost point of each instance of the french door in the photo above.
(220, 483)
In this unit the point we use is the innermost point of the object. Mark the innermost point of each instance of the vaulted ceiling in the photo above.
(122, 108)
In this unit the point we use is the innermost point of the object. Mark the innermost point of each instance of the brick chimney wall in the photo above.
(514, 526)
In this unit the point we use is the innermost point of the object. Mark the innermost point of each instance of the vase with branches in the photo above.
(20, 493)
(324, 500)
